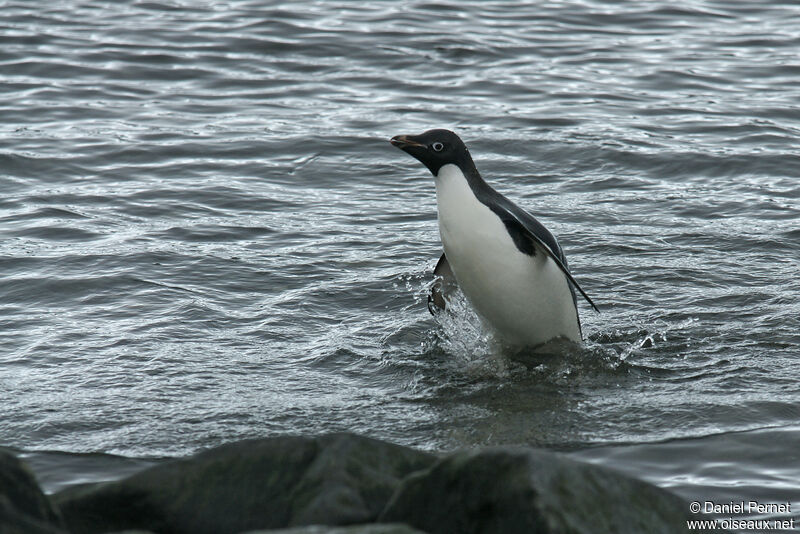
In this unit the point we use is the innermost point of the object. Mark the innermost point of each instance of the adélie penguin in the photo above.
(508, 265)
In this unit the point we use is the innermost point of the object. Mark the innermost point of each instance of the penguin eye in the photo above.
(437, 146)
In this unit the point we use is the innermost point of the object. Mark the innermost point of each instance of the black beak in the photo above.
(404, 141)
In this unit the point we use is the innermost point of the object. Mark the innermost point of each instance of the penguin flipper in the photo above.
(527, 240)
(444, 285)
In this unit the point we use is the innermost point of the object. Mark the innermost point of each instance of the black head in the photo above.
(436, 148)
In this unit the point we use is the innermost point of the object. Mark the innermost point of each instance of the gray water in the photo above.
(207, 237)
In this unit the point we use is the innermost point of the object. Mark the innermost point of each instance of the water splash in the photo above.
(471, 345)
(636, 340)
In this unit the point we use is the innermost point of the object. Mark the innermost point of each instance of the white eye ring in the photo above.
(437, 146)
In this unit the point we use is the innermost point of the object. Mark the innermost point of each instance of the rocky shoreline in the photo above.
(345, 484)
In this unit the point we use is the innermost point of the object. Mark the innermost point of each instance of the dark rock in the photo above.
(510, 490)
(337, 479)
(373, 528)
(24, 509)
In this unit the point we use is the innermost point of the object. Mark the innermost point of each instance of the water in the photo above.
(207, 237)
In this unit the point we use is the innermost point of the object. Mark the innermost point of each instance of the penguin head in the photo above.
(435, 149)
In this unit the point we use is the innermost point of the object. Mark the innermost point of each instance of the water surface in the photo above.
(207, 237)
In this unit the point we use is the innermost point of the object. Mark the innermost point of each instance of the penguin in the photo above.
(508, 265)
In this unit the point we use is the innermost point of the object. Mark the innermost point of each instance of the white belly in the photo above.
(526, 299)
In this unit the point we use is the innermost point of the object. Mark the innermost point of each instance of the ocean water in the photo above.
(206, 235)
